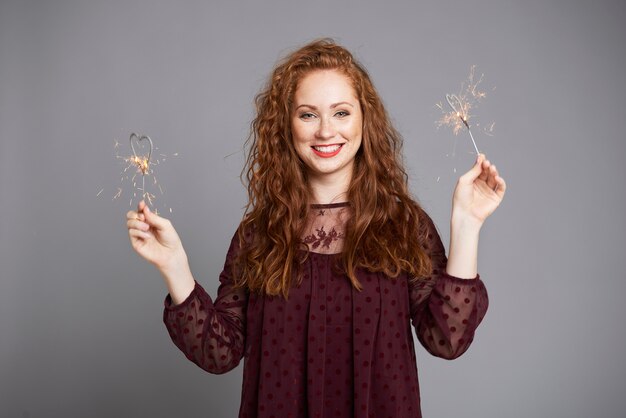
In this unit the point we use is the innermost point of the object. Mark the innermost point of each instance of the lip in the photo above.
(327, 154)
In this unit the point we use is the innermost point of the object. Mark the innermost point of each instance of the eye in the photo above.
(306, 115)
(342, 113)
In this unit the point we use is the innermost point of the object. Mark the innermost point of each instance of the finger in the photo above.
(491, 179)
(134, 215)
(138, 235)
(155, 220)
(485, 171)
(501, 187)
(137, 224)
(481, 158)
(474, 172)
(140, 208)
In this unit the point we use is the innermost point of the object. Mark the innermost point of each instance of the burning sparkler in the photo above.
(140, 162)
(461, 105)
(458, 108)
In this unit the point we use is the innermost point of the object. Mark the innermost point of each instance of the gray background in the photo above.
(80, 312)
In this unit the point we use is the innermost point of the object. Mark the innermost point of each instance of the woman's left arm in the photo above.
(477, 195)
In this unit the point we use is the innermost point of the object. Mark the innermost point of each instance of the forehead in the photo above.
(325, 85)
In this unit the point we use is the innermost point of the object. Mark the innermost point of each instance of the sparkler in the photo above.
(141, 162)
(461, 105)
(457, 106)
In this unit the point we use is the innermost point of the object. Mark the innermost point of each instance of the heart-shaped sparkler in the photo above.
(456, 105)
(138, 139)
(143, 164)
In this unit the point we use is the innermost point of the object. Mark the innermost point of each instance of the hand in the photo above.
(478, 192)
(155, 239)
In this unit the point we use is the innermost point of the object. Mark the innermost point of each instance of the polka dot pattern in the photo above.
(211, 334)
(330, 350)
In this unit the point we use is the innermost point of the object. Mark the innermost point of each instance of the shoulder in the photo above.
(243, 235)
(415, 214)
(424, 220)
(422, 226)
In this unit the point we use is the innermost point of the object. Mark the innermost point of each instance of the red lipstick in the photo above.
(327, 154)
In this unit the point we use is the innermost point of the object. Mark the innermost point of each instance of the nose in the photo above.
(325, 130)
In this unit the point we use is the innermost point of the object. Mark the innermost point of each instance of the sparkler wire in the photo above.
(450, 98)
(145, 165)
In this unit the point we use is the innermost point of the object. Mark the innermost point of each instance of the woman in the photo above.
(333, 260)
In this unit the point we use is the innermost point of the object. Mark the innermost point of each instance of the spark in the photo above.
(489, 129)
(462, 104)
(140, 162)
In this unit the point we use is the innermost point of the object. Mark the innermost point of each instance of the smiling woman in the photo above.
(327, 129)
(333, 260)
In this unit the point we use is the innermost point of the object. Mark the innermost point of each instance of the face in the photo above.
(326, 124)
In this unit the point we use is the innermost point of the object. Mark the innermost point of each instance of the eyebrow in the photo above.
(332, 106)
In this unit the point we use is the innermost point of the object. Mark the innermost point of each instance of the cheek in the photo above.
(298, 132)
(299, 142)
(298, 139)
(357, 125)
(357, 129)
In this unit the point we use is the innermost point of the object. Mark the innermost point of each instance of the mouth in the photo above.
(327, 151)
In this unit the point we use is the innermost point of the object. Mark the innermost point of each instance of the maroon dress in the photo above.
(330, 350)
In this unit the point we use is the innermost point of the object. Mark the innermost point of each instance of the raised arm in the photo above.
(155, 239)
(476, 196)
(448, 306)
(211, 334)
(445, 309)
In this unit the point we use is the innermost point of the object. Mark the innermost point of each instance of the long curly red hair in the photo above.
(382, 210)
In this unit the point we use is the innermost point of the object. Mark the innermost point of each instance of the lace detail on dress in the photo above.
(325, 230)
(322, 238)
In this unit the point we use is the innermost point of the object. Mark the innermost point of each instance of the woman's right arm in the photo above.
(211, 334)
(155, 239)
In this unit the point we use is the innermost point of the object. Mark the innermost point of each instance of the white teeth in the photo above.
(327, 148)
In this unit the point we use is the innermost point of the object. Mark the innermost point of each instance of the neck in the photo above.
(330, 189)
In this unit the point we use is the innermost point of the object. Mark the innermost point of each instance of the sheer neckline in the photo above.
(325, 228)
(329, 205)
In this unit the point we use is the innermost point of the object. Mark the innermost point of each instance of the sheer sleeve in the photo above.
(445, 310)
(211, 334)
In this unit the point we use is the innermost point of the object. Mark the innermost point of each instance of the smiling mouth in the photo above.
(327, 151)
